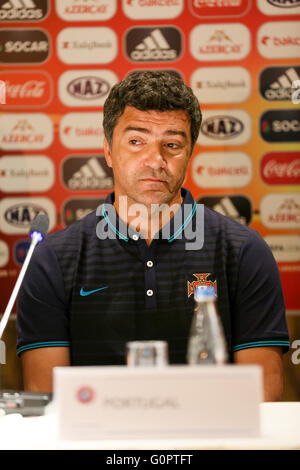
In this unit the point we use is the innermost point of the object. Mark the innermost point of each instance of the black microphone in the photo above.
(37, 233)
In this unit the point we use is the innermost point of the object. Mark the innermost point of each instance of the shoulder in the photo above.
(220, 224)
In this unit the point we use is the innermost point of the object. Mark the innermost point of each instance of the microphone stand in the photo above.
(4, 320)
(25, 403)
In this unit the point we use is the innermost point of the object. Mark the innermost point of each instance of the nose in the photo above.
(154, 158)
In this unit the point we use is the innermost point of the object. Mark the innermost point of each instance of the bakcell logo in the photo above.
(155, 44)
(82, 130)
(222, 170)
(281, 168)
(279, 39)
(32, 131)
(221, 84)
(150, 10)
(75, 209)
(86, 10)
(220, 42)
(87, 173)
(87, 45)
(17, 214)
(86, 87)
(281, 211)
(26, 173)
(225, 128)
(28, 89)
(4, 253)
(285, 248)
(23, 10)
(280, 125)
(235, 207)
(216, 8)
(276, 83)
(279, 7)
(23, 46)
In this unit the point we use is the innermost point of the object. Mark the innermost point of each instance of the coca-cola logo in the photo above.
(27, 89)
(281, 168)
(214, 8)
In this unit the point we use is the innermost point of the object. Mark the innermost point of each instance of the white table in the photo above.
(279, 430)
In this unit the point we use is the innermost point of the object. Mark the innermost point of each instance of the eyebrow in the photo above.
(147, 131)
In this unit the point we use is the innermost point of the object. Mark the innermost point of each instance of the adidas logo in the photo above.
(226, 207)
(281, 88)
(91, 176)
(20, 10)
(153, 47)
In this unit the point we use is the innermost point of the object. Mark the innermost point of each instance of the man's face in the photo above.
(149, 155)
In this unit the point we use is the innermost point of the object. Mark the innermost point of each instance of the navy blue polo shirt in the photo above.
(96, 285)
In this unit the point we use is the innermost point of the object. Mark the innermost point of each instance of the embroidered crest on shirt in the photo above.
(201, 281)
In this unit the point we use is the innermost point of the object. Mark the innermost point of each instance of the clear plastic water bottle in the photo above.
(206, 343)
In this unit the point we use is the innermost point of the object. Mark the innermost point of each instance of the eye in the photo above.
(173, 146)
(134, 141)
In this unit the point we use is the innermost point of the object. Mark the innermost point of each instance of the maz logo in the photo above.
(296, 93)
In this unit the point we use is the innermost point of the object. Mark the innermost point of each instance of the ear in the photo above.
(107, 153)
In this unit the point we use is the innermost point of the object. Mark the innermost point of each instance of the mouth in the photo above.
(153, 180)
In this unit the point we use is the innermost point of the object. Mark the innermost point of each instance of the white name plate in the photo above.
(143, 402)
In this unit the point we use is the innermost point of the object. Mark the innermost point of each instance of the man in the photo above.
(111, 278)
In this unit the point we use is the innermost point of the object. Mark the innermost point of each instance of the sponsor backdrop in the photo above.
(59, 60)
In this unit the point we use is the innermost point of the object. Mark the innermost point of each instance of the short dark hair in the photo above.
(151, 90)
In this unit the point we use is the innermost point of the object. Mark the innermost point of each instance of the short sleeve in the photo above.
(259, 311)
(42, 319)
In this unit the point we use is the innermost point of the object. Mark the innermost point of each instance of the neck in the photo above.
(146, 219)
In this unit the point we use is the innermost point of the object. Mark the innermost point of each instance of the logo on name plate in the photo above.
(224, 127)
(87, 173)
(279, 7)
(281, 211)
(86, 10)
(23, 10)
(17, 214)
(153, 44)
(93, 45)
(85, 394)
(281, 168)
(221, 84)
(276, 83)
(75, 209)
(26, 173)
(235, 207)
(279, 39)
(82, 130)
(32, 131)
(280, 125)
(24, 46)
(28, 89)
(221, 170)
(219, 8)
(153, 9)
(220, 42)
(85, 87)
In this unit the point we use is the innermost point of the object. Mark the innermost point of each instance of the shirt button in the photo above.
(149, 292)
(135, 237)
(149, 264)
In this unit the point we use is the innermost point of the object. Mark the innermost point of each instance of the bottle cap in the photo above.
(203, 293)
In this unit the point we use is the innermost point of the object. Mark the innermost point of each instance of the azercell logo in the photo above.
(84, 293)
